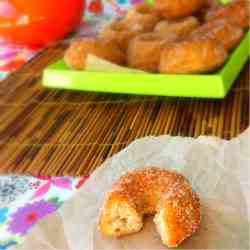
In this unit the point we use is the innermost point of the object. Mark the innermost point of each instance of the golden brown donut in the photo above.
(172, 9)
(167, 194)
(119, 33)
(222, 31)
(76, 54)
(181, 27)
(211, 3)
(145, 49)
(207, 6)
(192, 56)
(141, 18)
(237, 12)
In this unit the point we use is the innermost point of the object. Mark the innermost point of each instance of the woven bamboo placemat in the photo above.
(49, 132)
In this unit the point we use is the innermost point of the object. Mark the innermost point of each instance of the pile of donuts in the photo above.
(168, 37)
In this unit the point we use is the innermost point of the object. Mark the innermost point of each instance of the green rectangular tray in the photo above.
(214, 85)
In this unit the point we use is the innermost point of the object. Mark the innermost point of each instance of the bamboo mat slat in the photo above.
(51, 132)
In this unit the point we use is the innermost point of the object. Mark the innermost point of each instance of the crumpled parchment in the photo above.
(218, 170)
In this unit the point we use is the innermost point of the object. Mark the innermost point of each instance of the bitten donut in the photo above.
(119, 33)
(222, 31)
(236, 12)
(172, 9)
(76, 54)
(199, 55)
(167, 194)
(181, 27)
(141, 18)
(145, 49)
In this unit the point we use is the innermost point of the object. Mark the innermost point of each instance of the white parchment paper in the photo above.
(218, 170)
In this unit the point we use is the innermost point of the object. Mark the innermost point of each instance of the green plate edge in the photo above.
(234, 65)
(215, 85)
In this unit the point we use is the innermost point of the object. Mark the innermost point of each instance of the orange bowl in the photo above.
(38, 22)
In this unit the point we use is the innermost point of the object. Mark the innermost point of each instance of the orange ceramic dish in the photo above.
(38, 22)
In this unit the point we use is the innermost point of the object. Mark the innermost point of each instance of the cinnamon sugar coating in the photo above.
(167, 194)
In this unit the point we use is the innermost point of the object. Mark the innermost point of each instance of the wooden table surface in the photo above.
(51, 132)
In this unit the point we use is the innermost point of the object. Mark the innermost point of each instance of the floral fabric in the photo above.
(26, 200)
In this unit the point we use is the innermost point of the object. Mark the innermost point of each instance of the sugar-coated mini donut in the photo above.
(222, 31)
(167, 194)
(144, 50)
(141, 18)
(237, 12)
(181, 27)
(76, 54)
(119, 33)
(191, 56)
(172, 9)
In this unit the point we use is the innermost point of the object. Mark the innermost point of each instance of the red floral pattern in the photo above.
(96, 7)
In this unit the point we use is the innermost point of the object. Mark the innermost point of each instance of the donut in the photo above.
(181, 27)
(119, 33)
(144, 50)
(207, 6)
(222, 31)
(165, 194)
(141, 18)
(76, 54)
(211, 3)
(200, 55)
(236, 12)
(173, 9)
